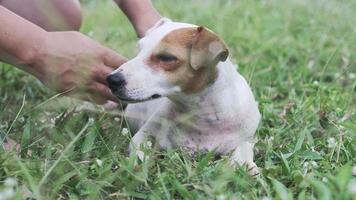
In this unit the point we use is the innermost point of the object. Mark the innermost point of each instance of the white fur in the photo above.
(223, 117)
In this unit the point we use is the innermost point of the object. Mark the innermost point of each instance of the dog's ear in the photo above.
(207, 49)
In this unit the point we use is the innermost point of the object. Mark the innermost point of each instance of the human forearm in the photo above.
(66, 61)
(141, 13)
(19, 40)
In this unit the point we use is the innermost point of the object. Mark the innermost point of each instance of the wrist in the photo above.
(32, 53)
(32, 48)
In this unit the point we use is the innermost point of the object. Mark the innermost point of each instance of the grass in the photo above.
(300, 60)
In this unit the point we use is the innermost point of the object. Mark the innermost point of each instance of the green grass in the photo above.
(300, 60)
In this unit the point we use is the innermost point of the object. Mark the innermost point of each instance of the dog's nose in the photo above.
(116, 81)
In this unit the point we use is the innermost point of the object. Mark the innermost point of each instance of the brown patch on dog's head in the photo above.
(188, 56)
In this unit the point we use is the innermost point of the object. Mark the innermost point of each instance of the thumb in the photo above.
(113, 59)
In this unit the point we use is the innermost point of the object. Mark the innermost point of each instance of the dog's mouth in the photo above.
(156, 96)
(123, 95)
(134, 100)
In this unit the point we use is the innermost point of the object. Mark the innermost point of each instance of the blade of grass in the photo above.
(44, 178)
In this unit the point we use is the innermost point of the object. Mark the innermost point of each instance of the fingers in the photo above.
(97, 92)
(113, 59)
(101, 73)
(101, 90)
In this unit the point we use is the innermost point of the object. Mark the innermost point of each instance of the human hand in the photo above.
(75, 65)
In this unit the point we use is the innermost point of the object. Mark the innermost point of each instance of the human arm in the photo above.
(141, 13)
(19, 39)
(64, 61)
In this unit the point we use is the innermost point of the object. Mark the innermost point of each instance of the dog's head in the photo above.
(173, 58)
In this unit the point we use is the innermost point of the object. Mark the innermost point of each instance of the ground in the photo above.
(299, 58)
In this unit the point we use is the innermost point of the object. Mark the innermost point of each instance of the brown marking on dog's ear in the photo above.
(200, 28)
(207, 49)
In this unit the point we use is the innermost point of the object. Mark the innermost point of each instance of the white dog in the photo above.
(186, 93)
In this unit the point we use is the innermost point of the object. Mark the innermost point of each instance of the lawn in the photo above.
(299, 57)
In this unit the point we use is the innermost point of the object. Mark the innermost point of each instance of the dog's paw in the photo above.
(252, 169)
(141, 158)
(141, 155)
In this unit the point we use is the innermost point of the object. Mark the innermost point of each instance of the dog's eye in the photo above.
(165, 57)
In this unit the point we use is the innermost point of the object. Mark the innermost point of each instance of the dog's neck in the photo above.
(221, 97)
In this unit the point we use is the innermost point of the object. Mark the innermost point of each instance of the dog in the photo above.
(184, 91)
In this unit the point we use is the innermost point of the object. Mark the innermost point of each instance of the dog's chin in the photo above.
(128, 99)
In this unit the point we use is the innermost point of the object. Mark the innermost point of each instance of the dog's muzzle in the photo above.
(116, 82)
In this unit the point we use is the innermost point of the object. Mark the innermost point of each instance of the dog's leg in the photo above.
(139, 141)
(243, 155)
(152, 127)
